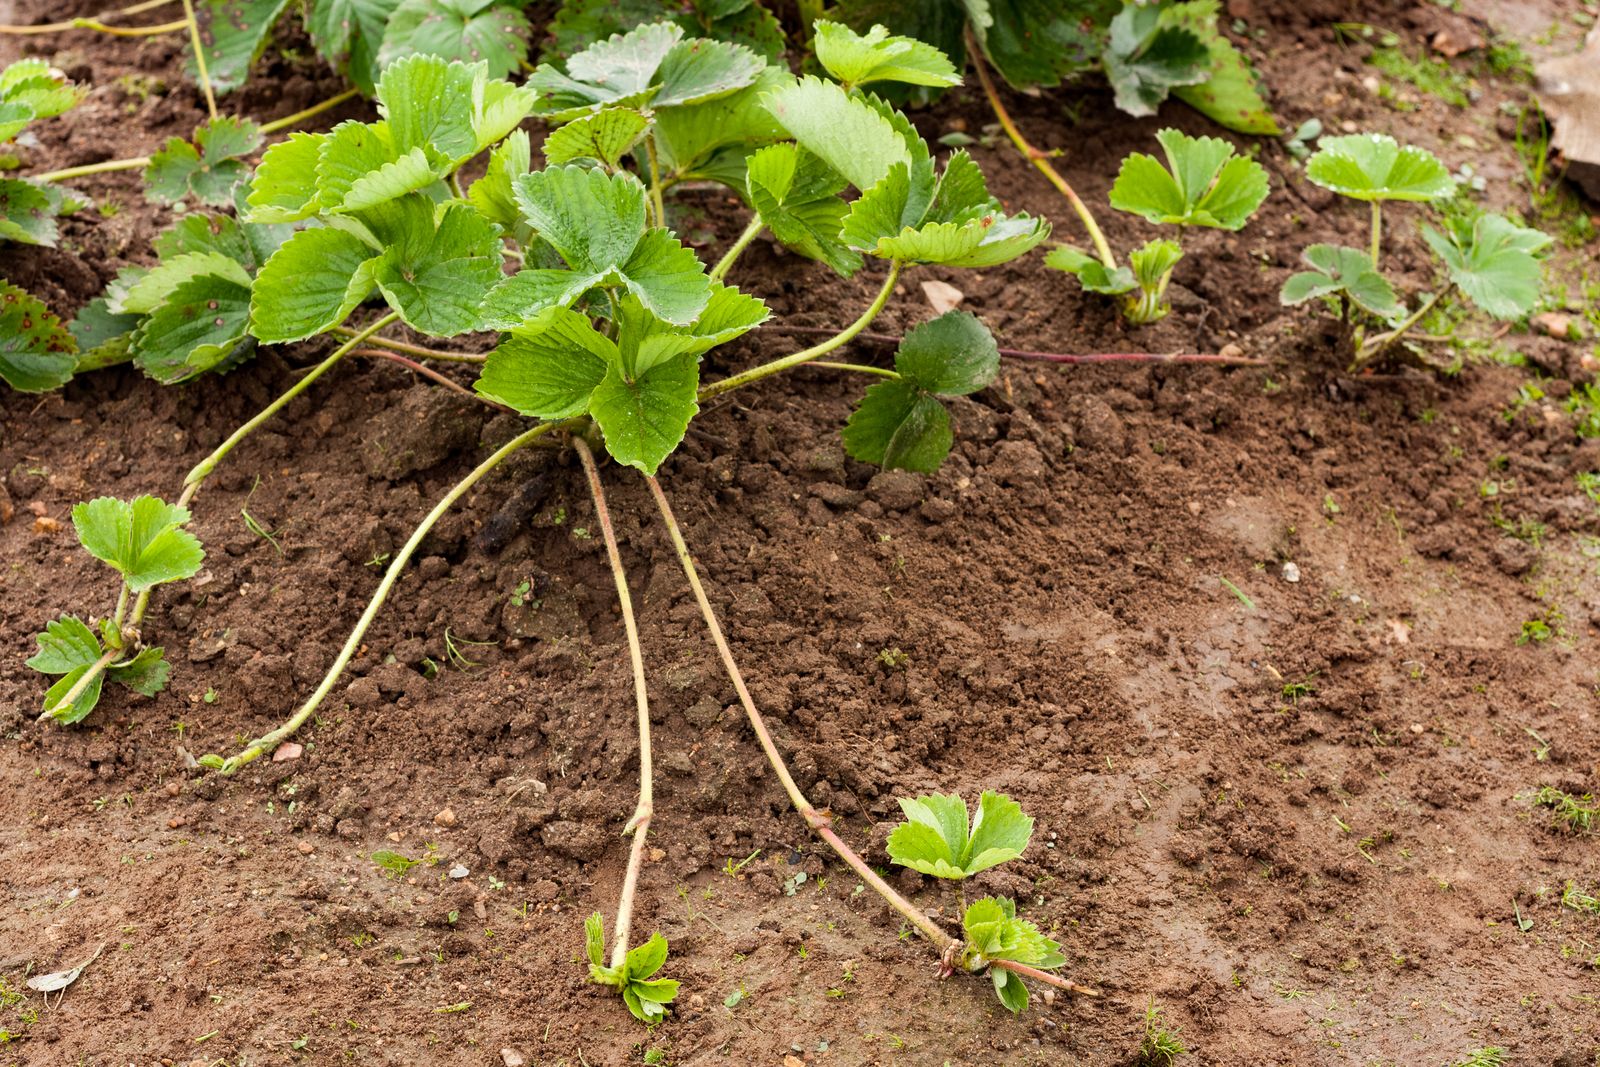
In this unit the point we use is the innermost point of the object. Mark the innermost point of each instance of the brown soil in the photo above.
(1332, 879)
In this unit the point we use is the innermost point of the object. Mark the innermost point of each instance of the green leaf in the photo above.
(606, 135)
(421, 97)
(549, 367)
(233, 33)
(27, 213)
(651, 64)
(82, 704)
(37, 353)
(1090, 272)
(144, 541)
(645, 419)
(499, 109)
(102, 336)
(439, 287)
(467, 30)
(1374, 166)
(797, 196)
(411, 172)
(983, 242)
(580, 23)
(1145, 60)
(935, 839)
(702, 69)
(846, 132)
(1034, 42)
(201, 232)
(492, 194)
(1203, 184)
(284, 188)
(952, 355)
(1341, 270)
(1492, 261)
(709, 141)
(65, 645)
(857, 59)
(648, 958)
(1152, 262)
(594, 929)
(1011, 990)
(348, 33)
(146, 673)
(1230, 95)
(310, 285)
(200, 326)
(995, 933)
(36, 92)
(645, 340)
(153, 288)
(899, 426)
(666, 277)
(518, 299)
(348, 153)
(592, 219)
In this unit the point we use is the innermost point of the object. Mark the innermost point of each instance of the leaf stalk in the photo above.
(200, 58)
(731, 256)
(76, 24)
(311, 112)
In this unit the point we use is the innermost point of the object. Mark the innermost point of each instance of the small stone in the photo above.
(363, 693)
(446, 818)
(1230, 351)
(44, 524)
(1291, 572)
(791, 1060)
(176, 821)
(459, 872)
(942, 296)
(306, 848)
(1417, 727)
(1559, 325)
(512, 1058)
(174, 788)
(287, 752)
(657, 855)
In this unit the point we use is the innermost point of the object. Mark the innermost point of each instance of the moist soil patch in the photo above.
(1248, 643)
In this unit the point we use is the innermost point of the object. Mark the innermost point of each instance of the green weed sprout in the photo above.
(1204, 183)
(1488, 259)
(145, 542)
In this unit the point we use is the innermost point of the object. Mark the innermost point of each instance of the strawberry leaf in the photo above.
(644, 420)
(153, 287)
(1341, 270)
(68, 647)
(1374, 166)
(952, 355)
(200, 326)
(492, 194)
(594, 929)
(209, 168)
(710, 141)
(467, 30)
(898, 426)
(284, 188)
(421, 96)
(1145, 60)
(28, 212)
(993, 932)
(605, 136)
(310, 285)
(37, 353)
(856, 59)
(797, 197)
(846, 132)
(65, 644)
(549, 366)
(1229, 95)
(580, 23)
(1492, 261)
(646, 998)
(1092, 274)
(1203, 184)
(650, 65)
(233, 33)
(146, 673)
(1032, 42)
(935, 839)
(438, 282)
(144, 540)
(348, 33)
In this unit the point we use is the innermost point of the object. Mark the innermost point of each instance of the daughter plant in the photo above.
(607, 321)
(1488, 259)
(1204, 183)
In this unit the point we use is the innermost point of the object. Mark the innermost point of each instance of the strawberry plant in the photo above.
(145, 542)
(1204, 183)
(1488, 259)
(207, 169)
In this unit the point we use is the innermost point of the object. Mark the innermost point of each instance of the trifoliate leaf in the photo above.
(1203, 184)
(348, 33)
(899, 427)
(198, 327)
(1341, 270)
(31, 86)
(234, 33)
(143, 540)
(1092, 274)
(284, 188)
(492, 194)
(421, 97)
(935, 839)
(310, 285)
(857, 59)
(438, 287)
(646, 998)
(797, 196)
(146, 673)
(1492, 261)
(606, 135)
(846, 132)
(1145, 59)
(209, 168)
(37, 353)
(644, 420)
(1374, 166)
(549, 367)
(952, 355)
(1230, 95)
(468, 30)
(994, 931)
(27, 213)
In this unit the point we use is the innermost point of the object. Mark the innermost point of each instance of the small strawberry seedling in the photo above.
(1487, 259)
(145, 542)
(629, 972)
(1203, 184)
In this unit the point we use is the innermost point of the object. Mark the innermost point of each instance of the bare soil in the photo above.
(1289, 813)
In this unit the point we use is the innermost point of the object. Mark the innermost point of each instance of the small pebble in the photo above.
(447, 817)
(307, 848)
(459, 872)
(287, 752)
(512, 1058)
(1291, 572)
